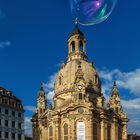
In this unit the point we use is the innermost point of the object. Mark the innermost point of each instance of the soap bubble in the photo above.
(90, 12)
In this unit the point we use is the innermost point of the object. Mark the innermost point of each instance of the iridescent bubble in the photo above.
(90, 12)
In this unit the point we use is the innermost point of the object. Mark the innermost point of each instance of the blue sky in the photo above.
(33, 42)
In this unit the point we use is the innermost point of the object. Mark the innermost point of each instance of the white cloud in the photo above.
(49, 87)
(50, 95)
(127, 81)
(60, 64)
(30, 108)
(134, 127)
(5, 44)
(132, 109)
(50, 84)
(131, 104)
(28, 126)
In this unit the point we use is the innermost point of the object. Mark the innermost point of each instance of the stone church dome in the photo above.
(66, 76)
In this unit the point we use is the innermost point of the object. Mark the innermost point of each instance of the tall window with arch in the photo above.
(81, 47)
(119, 133)
(80, 96)
(109, 132)
(96, 79)
(65, 131)
(72, 46)
(60, 80)
(95, 131)
(50, 133)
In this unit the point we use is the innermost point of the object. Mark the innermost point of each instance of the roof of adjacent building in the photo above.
(9, 100)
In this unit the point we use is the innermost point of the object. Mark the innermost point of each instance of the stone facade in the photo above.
(11, 116)
(79, 111)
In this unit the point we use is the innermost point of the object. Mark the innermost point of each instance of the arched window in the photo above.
(81, 46)
(80, 96)
(73, 46)
(50, 133)
(40, 110)
(109, 132)
(60, 80)
(96, 79)
(119, 133)
(65, 131)
(95, 131)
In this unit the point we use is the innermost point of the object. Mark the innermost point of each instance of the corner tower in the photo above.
(41, 101)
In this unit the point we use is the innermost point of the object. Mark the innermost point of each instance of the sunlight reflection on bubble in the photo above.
(90, 12)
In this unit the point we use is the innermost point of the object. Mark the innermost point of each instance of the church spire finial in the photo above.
(115, 89)
(76, 22)
(41, 87)
(115, 83)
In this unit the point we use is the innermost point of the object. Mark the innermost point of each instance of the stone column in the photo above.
(124, 131)
(89, 129)
(57, 130)
(102, 123)
(72, 127)
(114, 130)
(44, 133)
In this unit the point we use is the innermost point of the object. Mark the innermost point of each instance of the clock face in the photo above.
(80, 110)
(79, 87)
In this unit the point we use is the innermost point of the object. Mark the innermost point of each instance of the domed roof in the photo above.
(67, 75)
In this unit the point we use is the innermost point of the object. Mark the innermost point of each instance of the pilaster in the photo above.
(72, 135)
(102, 123)
(124, 131)
(89, 129)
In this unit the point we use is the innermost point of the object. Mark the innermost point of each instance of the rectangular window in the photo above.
(6, 135)
(19, 125)
(65, 137)
(13, 103)
(2, 100)
(13, 113)
(6, 101)
(13, 135)
(109, 132)
(0, 110)
(0, 134)
(19, 136)
(95, 131)
(19, 114)
(13, 124)
(6, 111)
(0, 122)
(6, 123)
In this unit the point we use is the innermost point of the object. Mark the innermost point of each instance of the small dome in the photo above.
(67, 75)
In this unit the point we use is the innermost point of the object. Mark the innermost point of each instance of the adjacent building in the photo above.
(11, 116)
(79, 111)
(133, 137)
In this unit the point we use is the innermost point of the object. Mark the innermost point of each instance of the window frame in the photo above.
(65, 131)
